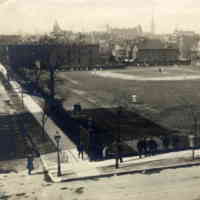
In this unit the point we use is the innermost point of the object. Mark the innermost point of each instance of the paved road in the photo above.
(169, 184)
(176, 184)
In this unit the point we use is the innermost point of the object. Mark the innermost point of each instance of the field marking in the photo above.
(108, 74)
(72, 81)
(79, 92)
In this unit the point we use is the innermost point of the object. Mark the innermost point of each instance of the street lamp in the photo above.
(57, 139)
(91, 142)
(118, 154)
(192, 145)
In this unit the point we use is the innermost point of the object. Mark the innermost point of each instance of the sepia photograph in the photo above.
(99, 100)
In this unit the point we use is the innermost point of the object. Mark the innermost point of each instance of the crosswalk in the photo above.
(66, 156)
(70, 162)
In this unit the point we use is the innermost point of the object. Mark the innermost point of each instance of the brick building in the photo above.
(70, 55)
(155, 52)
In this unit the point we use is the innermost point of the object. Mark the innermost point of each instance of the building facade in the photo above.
(68, 56)
(154, 52)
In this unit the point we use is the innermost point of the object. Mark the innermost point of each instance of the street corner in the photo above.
(66, 175)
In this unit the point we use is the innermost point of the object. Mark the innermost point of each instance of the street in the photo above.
(170, 184)
(167, 185)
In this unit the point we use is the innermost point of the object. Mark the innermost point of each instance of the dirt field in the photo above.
(165, 71)
(152, 73)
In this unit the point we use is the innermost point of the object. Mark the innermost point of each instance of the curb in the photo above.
(46, 170)
(139, 171)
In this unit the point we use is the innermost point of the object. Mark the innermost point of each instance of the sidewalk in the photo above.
(131, 165)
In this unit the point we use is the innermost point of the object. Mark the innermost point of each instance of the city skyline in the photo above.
(27, 16)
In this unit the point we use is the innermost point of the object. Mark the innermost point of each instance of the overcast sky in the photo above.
(39, 15)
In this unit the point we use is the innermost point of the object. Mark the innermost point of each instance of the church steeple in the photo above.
(56, 27)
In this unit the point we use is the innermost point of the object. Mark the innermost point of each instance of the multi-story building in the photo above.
(71, 55)
(155, 52)
(187, 41)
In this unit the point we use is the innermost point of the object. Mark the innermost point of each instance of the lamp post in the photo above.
(57, 139)
(192, 145)
(118, 154)
(90, 131)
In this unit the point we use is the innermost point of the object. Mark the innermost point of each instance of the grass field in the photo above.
(167, 102)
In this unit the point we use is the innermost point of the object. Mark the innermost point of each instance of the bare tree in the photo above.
(44, 118)
(37, 72)
(56, 60)
(121, 101)
(52, 68)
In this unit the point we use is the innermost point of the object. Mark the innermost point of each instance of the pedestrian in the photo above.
(152, 145)
(120, 152)
(166, 142)
(30, 163)
(142, 147)
(81, 150)
(104, 152)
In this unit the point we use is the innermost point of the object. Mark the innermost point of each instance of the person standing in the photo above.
(80, 151)
(30, 164)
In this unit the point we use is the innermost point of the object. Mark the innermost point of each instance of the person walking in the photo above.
(120, 152)
(81, 151)
(30, 163)
(142, 147)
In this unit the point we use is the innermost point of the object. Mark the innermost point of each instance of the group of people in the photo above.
(147, 147)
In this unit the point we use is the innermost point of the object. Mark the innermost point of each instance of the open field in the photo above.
(167, 102)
